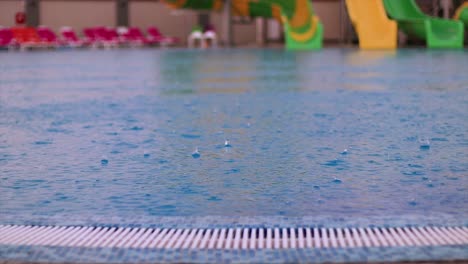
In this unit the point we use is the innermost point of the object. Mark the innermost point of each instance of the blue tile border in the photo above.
(107, 255)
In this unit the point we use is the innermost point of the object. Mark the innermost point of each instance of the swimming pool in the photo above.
(339, 134)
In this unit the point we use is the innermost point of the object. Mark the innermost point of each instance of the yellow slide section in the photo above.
(375, 30)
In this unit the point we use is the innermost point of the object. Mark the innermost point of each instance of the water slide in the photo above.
(462, 14)
(374, 29)
(438, 33)
(303, 30)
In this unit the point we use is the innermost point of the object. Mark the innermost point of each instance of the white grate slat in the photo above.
(206, 239)
(269, 241)
(150, 235)
(174, 238)
(96, 237)
(162, 239)
(189, 238)
(317, 243)
(300, 238)
(284, 238)
(13, 231)
(155, 237)
(80, 237)
(276, 238)
(197, 239)
(89, 236)
(221, 237)
(324, 237)
(253, 238)
(261, 238)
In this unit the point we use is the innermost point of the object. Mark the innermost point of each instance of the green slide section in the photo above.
(438, 33)
(303, 30)
(462, 14)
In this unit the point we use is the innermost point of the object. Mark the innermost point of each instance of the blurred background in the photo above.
(80, 14)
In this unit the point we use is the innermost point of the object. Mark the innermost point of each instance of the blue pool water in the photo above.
(336, 133)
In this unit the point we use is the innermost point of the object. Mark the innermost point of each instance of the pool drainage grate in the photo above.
(230, 238)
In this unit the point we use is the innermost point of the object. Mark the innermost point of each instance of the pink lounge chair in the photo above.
(47, 36)
(7, 39)
(71, 39)
(156, 35)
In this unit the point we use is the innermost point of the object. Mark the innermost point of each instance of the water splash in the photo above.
(196, 154)
(104, 160)
(424, 144)
(336, 180)
(430, 184)
(333, 163)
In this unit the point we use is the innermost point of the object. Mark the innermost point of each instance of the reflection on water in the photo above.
(260, 70)
(369, 57)
(331, 133)
(366, 74)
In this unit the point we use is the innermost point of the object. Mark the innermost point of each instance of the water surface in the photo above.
(338, 133)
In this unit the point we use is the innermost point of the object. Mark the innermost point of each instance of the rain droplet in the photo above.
(196, 154)
(104, 161)
(430, 184)
(424, 144)
(336, 180)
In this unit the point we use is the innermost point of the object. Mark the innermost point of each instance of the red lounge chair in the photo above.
(114, 37)
(71, 39)
(6, 38)
(47, 36)
(91, 36)
(102, 36)
(135, 36)
(26, 37)
(156, 35)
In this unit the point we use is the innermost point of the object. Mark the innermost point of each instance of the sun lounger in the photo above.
(156, 35)
(27, 37)
(70, 38)
(6, 38)
(48, 37)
